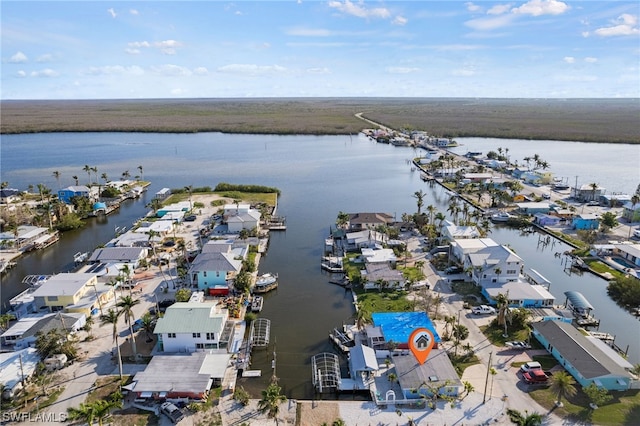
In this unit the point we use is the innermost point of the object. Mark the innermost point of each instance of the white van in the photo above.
(531, 365)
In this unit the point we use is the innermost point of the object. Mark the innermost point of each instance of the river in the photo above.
(319, 176)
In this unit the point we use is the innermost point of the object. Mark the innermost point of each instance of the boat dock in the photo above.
(581, 309)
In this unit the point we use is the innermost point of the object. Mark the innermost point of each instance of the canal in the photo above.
(319, 176)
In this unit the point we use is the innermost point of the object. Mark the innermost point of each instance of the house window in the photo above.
(199, 346)
(52, 298)
(211, 336)
(511, 271)
(217, 273)
(196, 335)
(171, 335)
(204, 273)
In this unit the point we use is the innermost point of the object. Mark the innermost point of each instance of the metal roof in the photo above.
(577, 300)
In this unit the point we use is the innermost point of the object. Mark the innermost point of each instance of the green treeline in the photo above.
(225, 187)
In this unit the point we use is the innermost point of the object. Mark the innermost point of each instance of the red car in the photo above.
(535, 376)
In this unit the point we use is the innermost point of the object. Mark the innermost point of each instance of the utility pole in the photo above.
(486, 380)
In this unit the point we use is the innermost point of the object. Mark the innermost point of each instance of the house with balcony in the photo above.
(588, 359)
(65, 195)
(631, 212)
(211, 268)
(23, 333)
(191, 326)
(589, 192)
(73, 292)
(363, 221)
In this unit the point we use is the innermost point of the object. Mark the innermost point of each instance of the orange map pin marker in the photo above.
(421, 342)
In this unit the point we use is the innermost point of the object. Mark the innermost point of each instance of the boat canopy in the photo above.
(577, 300)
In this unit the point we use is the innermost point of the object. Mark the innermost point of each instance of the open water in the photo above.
(319, 176)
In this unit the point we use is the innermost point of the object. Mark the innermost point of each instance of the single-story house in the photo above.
(586, 221)
(589, 192)
(186, 375)
(587, 359)
(436, 374)
(248, 220)
(381, 276)
(8, 195)
(182, 206)
(533, 208)
(366, 238)
(214, 268)
(452, 232)
(129, 255)
(521, 294)
(22, 334)
(379, 255)
(360, 221)
(15, 367)
(546, 219)
(162, 194)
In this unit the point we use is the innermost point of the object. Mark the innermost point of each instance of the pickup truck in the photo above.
(172, 411)
(483, 309)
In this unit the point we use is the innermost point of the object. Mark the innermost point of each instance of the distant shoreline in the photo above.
(583, 120)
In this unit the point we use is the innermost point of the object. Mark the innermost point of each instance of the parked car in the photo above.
(190, 218)
(164, 304)
(516, 344)
(535, 376)
(137, 325)
(172, 411)
(483, 309)
(531, 365)
(453, 270)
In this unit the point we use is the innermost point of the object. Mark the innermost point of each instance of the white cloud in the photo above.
(569, 59)
(171, 70)
(252, 69)
(399, 20)
(323, 70)
(114, 70)
(47, 57)
(624, 25)
(134, 12)
(131, 51)
(112, 12)
(472, 7)
(590, 60)
(18, 58)
(47, 72)
(499, 9)
(576, 78)
(201, 71)
(541, 7)
(463, 72)
(483, 24)
(21, 74)
(402, 70)
(308, 32)
(360, 10)
(139, 44)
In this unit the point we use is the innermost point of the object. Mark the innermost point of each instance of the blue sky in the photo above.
(310, 48)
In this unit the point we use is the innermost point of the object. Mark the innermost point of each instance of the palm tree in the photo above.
(342, 220)
(468, 388)
(126, 175)
(126, 305)
(363, 317)
(594, 188)
(87, 168)
(56, 175)
(76, 180)
(271, 400)
(502, 301)
(419, 196)
(189, 189)
(526, 419)
(112, 318)
(140, 170)
(563, 385)
(84, 413)
(102, 409)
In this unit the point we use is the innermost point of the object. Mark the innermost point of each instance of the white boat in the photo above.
(256, 304)
(501, 217)
(265, 283)
(332, 264)
(80, 257)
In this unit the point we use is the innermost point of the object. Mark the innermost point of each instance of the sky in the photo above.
(311, 48)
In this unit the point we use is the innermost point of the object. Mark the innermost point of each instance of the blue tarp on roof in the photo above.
(577, 300)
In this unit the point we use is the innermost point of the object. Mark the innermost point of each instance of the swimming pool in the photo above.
(398, 326)
(624, 262)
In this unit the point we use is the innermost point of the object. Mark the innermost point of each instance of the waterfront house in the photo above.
(589, 192)
(162, 194)
(493, 264)
(160, 227)
(212, 269)
(9, 195)
(180, 376)
(22, 334)
(180, 207)
(586, 221)
(364, 221)
(436, 374)
(614, 199)
(243, 221)
(546, 220)
(191, 326)
(129, 255)
(587, 359)
(631, 212)
(380, 276)
(533, 208)
(450, 232)
(520, 294)
(365, 238)
(379, 255)
(16, 367)
(73, 292)
(65, 195)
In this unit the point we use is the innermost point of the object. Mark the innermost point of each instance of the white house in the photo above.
(244, 220)
(191, 326)
(16, 367)
(497, 264)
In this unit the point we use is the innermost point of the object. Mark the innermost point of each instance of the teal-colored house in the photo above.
(587, 359)
(214, 269)
(586, 221)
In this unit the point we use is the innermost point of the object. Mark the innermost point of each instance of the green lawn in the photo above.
(384, 301)
(623, 410)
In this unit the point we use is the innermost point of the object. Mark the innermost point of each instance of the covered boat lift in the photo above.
(325, 370)
(578, 303)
